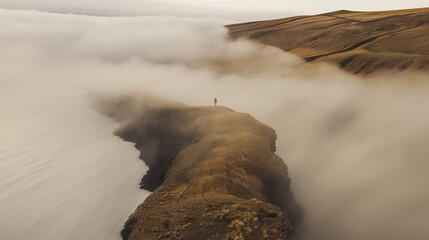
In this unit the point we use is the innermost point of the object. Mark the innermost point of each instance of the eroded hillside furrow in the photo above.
(359, 44)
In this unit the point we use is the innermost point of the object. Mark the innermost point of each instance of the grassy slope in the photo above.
(359, 42)
(213, 171)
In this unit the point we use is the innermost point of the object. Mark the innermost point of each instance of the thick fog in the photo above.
(237, 10)
(356, 148)
(231, 10)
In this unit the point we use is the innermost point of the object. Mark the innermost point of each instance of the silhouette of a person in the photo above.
(215, 101)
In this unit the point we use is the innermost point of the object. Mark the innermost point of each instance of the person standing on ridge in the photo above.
(215, 101)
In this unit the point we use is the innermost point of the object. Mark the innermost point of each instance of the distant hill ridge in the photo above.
(359, 42)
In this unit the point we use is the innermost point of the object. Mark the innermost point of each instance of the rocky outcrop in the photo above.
(213, 172)
(359, 42)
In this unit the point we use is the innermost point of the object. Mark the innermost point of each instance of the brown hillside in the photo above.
(359, 42)
(213, 171)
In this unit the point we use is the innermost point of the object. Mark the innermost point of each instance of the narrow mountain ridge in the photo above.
(213, 171)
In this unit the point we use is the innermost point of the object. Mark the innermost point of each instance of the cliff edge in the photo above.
(213, 172)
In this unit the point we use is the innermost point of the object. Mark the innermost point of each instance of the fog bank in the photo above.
(356, 149)
(63, 175)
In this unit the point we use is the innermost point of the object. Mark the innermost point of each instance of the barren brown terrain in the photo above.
(359, 42)
(213, 172)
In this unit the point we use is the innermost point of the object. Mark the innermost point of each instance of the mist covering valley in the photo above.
(356, 148)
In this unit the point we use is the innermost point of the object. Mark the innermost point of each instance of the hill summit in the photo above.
(359, 42)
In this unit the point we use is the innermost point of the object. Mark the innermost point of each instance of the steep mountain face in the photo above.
(213, 171)
(359, 42)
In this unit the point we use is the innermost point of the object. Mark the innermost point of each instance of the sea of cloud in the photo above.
(356, 148)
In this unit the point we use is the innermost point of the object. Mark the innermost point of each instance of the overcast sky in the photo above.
(238, 10)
